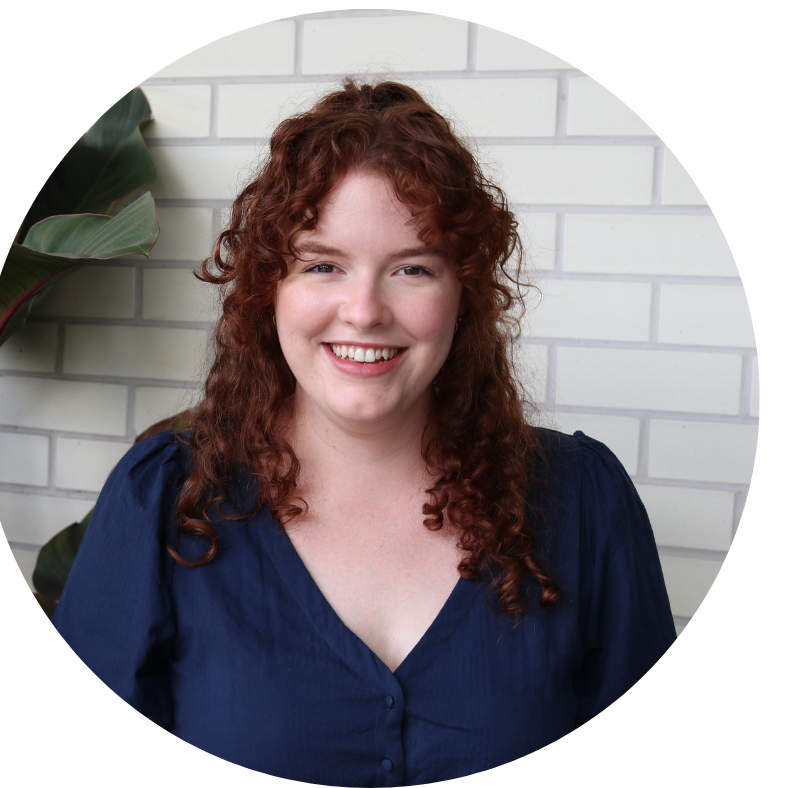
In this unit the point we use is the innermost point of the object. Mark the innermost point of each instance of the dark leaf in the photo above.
(107, 163)
(56, 558)
(59, 245)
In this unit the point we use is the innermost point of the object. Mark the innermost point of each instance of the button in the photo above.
(389, 701)
(387, 764)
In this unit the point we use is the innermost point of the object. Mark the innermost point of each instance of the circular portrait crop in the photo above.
(366, 379)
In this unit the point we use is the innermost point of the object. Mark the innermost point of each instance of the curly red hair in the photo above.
(481, 449)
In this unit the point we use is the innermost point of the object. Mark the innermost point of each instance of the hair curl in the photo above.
(481, 448)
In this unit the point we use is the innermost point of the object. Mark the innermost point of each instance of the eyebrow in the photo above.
(314, 247)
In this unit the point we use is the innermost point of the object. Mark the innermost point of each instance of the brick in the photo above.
(262, 50)
(26, 561)
(85, 464)
(179, 111)
(24, 459)
(200, 172)
(154, 404)
(621, 434)
(593, 110)
(31, 349)
(531, 368)
(255, 110)
(498, 51)
(389, 43)
(134, 351)
(35, 519)
(186, 234)
(649, 379)
(92, 291)
(71, 406)
(662, 245)
(755, 393)
(686, 517)
(573, 174)
(688, 580)
(678, 188)
(176, 294)
(705, 315)
(496, 107)
(702, 451)
(579, 309)
(537, 232)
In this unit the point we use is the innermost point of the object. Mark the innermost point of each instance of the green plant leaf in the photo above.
(56, 558)
(60, 244)
(109, 161)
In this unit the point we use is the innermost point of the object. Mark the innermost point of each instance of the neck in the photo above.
(346, 455)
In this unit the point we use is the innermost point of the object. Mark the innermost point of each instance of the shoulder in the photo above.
(576, 459)
(164, 450)
(584, 482)
(153, 467)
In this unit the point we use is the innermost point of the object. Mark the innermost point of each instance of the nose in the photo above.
(365, 305)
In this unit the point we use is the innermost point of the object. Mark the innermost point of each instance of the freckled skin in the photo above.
(364, 293)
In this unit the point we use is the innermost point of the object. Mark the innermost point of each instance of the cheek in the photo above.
(300, 313)
(435, 318)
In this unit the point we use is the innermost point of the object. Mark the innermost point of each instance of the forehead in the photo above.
(364, 204)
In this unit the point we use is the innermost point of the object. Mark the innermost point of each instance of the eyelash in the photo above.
(315, 269)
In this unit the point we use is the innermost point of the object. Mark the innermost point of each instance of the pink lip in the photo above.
(364, 370)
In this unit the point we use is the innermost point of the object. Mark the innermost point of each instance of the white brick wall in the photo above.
(643, 339)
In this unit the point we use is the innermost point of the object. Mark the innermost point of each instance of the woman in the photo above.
(361, 565)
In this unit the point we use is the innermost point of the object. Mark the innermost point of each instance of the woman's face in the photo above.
(366, 286)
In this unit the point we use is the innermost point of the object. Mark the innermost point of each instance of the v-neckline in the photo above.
(340, 638)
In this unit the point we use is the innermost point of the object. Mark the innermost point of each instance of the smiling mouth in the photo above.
(362, 355)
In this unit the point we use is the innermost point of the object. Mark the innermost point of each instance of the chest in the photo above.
(383, 573)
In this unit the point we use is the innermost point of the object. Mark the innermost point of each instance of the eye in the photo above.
(415, 270)
(321, 268)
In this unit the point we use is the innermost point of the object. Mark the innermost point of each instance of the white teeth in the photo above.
(363, 355)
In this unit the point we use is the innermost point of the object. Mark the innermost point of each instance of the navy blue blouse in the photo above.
(244, 658)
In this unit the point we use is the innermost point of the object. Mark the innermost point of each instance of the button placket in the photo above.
(389, 734)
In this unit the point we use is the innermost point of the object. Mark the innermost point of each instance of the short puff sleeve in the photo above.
(626, 614)
(116, 611)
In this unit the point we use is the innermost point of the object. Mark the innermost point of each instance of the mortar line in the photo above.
(45, 492)
(745, 398)
(691, 552)
(473, 47)
(213, 128)
(658, 175)
(87, 436)
(560, 242)
(607, 209)
(739, 502)
(52, 461)
(561, 108)
(644, 439)
(656, 299)
(490, 141)
(551, 386)
(401, 76)
(298, 49)
(131, 407)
